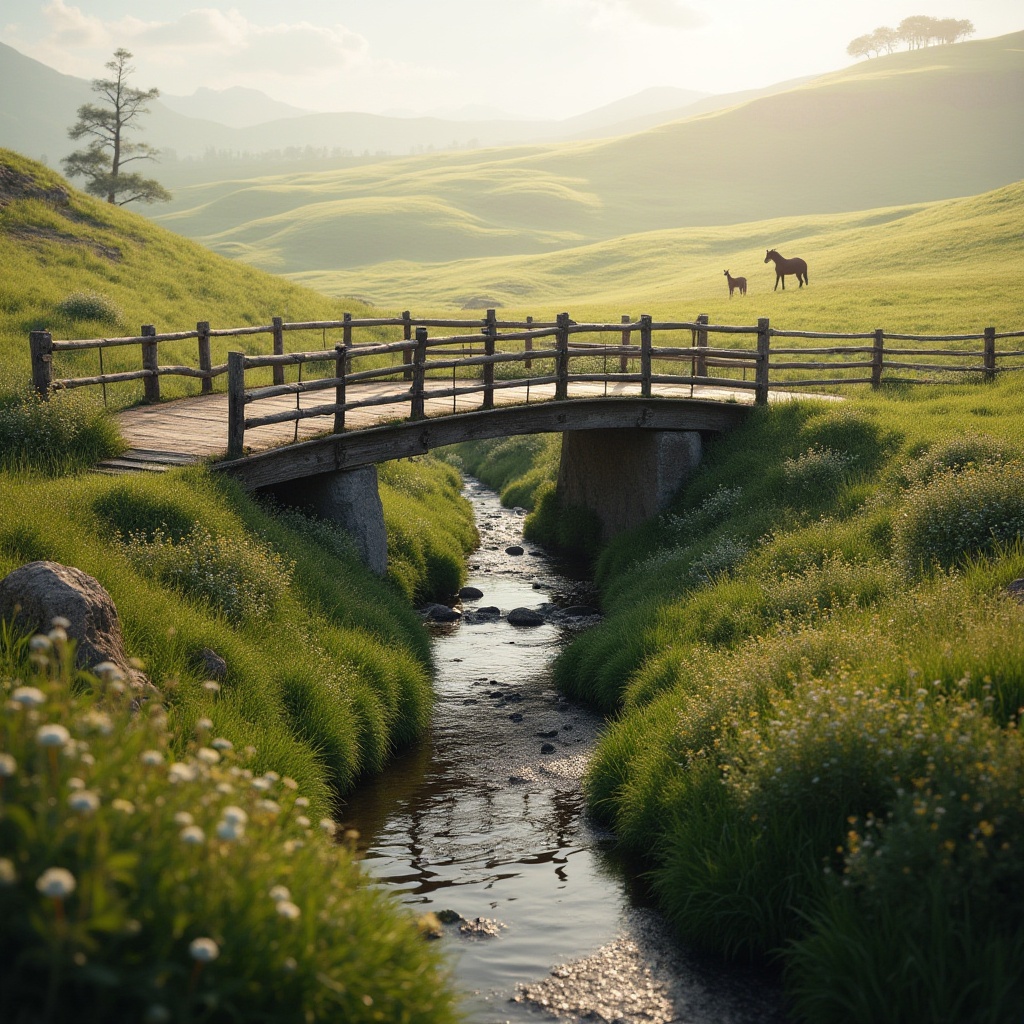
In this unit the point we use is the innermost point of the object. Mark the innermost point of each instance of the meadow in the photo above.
(180, 860)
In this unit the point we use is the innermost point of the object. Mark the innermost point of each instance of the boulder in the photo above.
(212, 664)
(514, 549)
(1016, 590)
(33, 595)
(524, 617)
(470, 594)
(440, 613)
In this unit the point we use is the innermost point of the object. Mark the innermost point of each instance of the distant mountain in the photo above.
(245, 122)
(236, 107)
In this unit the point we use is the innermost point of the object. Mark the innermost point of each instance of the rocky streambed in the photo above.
(484, 827)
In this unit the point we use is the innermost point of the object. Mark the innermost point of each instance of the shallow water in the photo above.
(479, 821)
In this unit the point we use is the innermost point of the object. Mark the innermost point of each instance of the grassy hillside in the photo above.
(911, 127)
(894, 267)
(158, 853)
(60, 243)
(814, 670)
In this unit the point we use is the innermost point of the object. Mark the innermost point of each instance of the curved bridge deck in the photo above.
(192, 429)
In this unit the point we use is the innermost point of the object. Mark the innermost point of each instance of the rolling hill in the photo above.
(912, 127)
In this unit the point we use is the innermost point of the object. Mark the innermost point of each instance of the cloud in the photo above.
(297, 49)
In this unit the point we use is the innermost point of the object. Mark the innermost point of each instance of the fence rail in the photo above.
(636, 359)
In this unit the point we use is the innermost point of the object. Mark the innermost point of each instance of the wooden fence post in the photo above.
(346, 338)
(990, 353)
(528, 344)
(205, 360)
(626, 336)
(491, 330)
(419, 373)
(236, 404)
(877, 358)
(340, 369)
(699, 366)
(645, 355)
(150, 362)
(562, 358)
(761, 378)
(278, 348)
(407, 336)
(41, 346)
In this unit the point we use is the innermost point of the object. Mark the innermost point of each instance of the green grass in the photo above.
(814, 678)
(874, 136)
(155, 874)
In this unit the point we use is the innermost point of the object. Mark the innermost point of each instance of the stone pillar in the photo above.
(350, 499)
(625, 476)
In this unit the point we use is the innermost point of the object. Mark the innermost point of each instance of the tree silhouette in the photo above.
(917, 32)
(105, 124)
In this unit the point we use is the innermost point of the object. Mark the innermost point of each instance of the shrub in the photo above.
(724, 554)
(240, 577)
(956, 516)
(818, 472)
(90, 306)
(65, 434)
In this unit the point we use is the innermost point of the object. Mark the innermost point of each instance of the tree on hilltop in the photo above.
(917, 32)
(102, 162)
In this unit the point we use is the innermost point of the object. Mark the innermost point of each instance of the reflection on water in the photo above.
(477, 819)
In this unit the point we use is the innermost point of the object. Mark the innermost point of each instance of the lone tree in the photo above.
(104, 125)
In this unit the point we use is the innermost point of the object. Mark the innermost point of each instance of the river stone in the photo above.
(524, 617)
(470, 594)
(579, 611)
(440, 613)
(1016, 590)
(547, 748)
(33, 595)
(513, 549)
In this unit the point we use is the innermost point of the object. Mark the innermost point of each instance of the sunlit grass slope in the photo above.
(946, 266)
(910, 127)
(59, 243)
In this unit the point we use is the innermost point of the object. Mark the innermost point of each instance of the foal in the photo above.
(736, 282)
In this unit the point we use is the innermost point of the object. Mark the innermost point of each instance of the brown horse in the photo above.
(736, 282)
(783, 267)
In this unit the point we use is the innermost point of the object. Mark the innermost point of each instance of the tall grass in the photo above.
(816, 675)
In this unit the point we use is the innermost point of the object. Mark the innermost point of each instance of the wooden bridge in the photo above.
(393, 388)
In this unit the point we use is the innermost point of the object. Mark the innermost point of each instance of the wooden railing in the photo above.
(859, 358)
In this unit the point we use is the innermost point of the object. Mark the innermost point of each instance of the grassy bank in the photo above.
(814, 674)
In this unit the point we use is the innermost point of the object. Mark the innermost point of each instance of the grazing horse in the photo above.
(783, 267)
(736, 282)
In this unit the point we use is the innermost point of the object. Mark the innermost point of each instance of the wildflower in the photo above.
(204, 724)
(124, 806)
(108, 672)
(211, 686)
(28, 696)
(262, 785)
(52, 735)
(84, 802)
(301, 801)
(76, 783)
(180, 772)
(289, 783)
(8, 876)
(220, 743)
(302, 821)
(59, 622)
(328, 826)
(207, 755)
(203, 950)
(183, 818)
(280, 892)
(272, 776)
(8, 766)
(58, 635)
(56, 883)
(39, 644)
(288, 910)
(269, 806)
(225, 788)
(234, 815)
(229, 831)
(290, 965)
(151, 757)
(193, 835)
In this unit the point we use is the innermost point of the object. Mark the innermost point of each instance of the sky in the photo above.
(525, 58)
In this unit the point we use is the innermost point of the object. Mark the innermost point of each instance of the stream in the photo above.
(483, 823)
